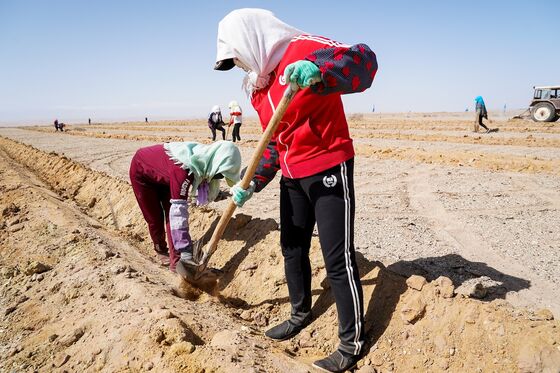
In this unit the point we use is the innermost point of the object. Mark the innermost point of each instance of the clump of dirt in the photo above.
(99, 304)
(187, 291)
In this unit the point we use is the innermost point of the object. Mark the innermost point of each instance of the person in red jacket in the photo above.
(161, 177)
(313, 148)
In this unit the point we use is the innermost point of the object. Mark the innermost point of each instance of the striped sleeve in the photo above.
(267, 168)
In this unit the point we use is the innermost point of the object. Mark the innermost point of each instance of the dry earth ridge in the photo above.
(80, 291)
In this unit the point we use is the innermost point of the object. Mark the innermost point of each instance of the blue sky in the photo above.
(124, 60)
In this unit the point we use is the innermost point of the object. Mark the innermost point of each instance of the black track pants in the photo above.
(218, 129)
(328, 199)
(480, 122)
(235, 134)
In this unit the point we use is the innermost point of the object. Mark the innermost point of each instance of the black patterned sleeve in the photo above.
(344, 69)
(267, 168)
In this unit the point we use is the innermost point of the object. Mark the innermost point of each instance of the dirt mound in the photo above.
(471, 158)
(88, 300)
(126, 136)
(77, 297)
(486, 161)
(190, 128)
(427, 122)
(118, 136)
(528, 141)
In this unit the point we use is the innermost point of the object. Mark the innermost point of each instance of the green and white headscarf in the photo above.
(205, 162)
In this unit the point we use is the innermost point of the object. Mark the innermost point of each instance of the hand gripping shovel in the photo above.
(199, 275)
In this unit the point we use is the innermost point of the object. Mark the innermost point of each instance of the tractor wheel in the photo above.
(543, 112)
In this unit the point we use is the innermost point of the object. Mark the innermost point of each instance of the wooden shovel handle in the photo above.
(289, 94)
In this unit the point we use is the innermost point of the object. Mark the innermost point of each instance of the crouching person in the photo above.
(163, 176)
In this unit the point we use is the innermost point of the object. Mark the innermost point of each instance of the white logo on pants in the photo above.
(184, 188)
(329, 181)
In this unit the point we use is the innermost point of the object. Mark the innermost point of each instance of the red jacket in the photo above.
(313, 135)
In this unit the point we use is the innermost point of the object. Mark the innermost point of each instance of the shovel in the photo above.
(227, 131)
(199, 275)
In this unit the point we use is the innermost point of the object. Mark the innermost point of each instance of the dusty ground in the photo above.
(80, 290)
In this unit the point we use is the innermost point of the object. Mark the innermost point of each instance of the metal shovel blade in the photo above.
(203, 278)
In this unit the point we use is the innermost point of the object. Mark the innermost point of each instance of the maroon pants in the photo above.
(153, 199)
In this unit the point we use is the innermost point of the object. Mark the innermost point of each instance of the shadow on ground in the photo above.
(459, 270)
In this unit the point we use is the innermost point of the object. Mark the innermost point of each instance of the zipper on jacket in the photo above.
(285, 155)
(285, 160)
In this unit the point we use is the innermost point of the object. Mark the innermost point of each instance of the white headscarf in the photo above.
(258, 39)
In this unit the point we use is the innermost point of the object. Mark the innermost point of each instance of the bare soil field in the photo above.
(457, 238)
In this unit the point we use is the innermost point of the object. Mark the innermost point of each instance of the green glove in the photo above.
(304, 73)
(240, 195)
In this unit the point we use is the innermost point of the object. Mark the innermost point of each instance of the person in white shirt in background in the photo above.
(235, 119)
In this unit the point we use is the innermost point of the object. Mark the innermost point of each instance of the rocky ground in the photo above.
(457, 237)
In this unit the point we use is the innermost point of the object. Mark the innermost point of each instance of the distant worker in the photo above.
(58, 126)
(235, 119)
(89, 120)
(481, 112)
(161, 177)
(146, 119)
(215, 122)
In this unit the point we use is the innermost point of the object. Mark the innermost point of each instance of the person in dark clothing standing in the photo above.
(56, 124)
(313, 148)
(215, 122)
(481, 112)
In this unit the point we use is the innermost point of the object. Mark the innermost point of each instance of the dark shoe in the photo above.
(337, 362)
(286, 330)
